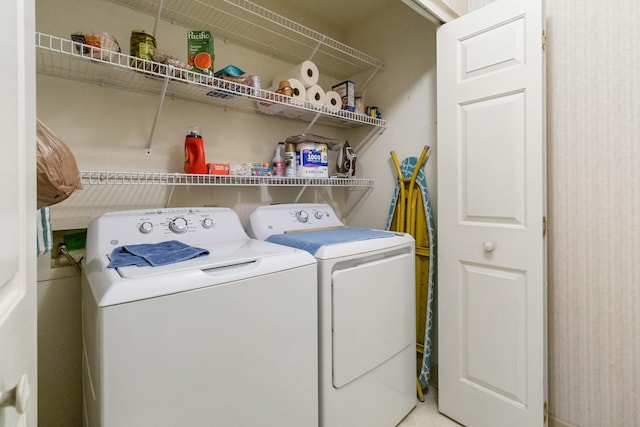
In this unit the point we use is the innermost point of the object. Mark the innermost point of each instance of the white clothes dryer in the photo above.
(224, 339)
(366, 296)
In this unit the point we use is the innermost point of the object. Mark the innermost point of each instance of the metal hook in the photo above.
(62, 250)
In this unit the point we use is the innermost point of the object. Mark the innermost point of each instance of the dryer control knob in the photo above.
(146, 227)
(207, 223)
(302, 216)
(318, 214)
(178, 225)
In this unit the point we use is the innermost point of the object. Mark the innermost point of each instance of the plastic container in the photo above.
(194, 159)
(278, 164)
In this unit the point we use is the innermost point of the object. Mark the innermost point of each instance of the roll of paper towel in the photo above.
(306, 72)
(333, 100)
(298, 91)
(315, 95)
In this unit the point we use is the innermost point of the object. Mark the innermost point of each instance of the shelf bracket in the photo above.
(300, 193)
(351, 206)
(364, 143)
(168, 203)
(375, 71)
(155, 120)
(313, 122)
(315, 50)
(155, 25)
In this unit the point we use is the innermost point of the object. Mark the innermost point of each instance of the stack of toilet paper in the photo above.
(303, 80)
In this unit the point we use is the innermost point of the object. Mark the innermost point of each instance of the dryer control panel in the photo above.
(287, 218)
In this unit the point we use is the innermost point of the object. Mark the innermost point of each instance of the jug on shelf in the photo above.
(194, 159)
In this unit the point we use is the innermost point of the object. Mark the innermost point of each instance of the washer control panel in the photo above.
(188, 225)
(176, 221)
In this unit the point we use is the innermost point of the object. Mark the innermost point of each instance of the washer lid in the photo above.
(228, 262)
(221, 254)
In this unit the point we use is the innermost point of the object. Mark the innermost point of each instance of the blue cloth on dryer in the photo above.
(311, 241)
(154, 254)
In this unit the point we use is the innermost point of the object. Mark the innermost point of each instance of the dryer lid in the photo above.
(312, 241)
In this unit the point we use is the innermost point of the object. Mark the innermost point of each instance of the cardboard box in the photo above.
(347, 92)
(218, 168)
(200, 51)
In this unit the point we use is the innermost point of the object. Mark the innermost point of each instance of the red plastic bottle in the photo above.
(194, 160)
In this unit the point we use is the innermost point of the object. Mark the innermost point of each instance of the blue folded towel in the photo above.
(311, 241)
(154, 254)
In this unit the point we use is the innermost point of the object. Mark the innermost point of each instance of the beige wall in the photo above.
(593, 111)
(107, 129)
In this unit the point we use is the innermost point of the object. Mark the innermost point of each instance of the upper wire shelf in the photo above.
(67, 59)
(250, 25)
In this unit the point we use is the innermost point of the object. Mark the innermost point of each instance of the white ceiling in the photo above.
(341, 15)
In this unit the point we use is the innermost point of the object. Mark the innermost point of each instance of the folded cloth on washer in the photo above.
(154, 254)
(311, 241)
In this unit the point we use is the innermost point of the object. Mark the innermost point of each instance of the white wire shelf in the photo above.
(247, 24)
(175, 179)
(67, 59)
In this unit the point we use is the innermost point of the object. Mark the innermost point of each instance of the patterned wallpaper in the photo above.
(594, 208)
(593, 112)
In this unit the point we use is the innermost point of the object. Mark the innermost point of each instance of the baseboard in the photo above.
(555, 422)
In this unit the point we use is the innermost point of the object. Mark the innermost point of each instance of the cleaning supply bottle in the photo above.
(278, 160)
(194, 160)
(290, 161)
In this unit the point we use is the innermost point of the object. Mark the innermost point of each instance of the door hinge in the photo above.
(546, 412)
(544, 39)
(544, 226)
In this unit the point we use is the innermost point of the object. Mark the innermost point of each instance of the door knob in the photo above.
(17, 396)
(488, 246)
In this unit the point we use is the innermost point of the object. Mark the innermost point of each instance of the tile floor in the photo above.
(426, 414)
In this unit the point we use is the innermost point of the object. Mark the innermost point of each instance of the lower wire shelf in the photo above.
(171, 179)
(108, 191)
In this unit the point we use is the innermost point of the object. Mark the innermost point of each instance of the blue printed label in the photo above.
(311, 158)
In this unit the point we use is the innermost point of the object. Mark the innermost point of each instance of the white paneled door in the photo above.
(491, 216)
(17, 218)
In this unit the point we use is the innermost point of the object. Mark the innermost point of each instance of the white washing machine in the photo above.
(225, 339)
(366, 296)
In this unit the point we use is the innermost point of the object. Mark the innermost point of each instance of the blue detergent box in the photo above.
(347, 92)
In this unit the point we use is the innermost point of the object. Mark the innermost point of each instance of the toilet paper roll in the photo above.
(298, 90)
(333, 100)
(306, 72)
(315, 95)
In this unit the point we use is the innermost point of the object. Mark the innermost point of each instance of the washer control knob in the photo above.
(317, 214)
(178, 225)
(207, 223)
(146, 227)
(302, 216)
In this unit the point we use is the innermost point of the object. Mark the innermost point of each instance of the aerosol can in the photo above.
(346, 165)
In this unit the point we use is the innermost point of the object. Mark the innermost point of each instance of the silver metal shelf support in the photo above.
(155, 120)
(155, 25)
(300, 193)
